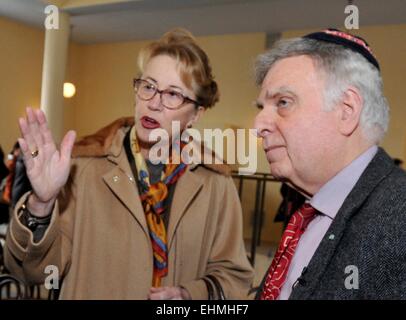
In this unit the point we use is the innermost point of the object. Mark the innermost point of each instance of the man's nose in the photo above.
(259, 123)
(264, 123)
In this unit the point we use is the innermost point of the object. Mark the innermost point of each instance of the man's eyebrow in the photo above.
(270, 94)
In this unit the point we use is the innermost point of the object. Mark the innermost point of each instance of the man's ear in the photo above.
(349, 111)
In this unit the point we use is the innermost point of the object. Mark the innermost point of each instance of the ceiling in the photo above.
(121, 20)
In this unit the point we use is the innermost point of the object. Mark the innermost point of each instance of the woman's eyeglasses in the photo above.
(170, 99)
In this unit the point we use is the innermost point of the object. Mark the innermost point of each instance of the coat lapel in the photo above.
(121, 181)
(186, 189)
(380, 166)
(126, 190)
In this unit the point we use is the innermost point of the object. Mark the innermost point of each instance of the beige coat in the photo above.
(98, 236)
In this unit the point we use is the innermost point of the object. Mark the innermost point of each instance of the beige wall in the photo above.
(21, 59)
(20, 76)
(104, 90)
(103, 76)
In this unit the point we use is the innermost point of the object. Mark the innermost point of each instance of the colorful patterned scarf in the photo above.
(153, 197)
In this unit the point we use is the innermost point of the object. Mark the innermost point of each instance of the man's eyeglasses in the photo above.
(170, 99)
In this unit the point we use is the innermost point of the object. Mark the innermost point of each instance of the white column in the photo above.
(53, 74)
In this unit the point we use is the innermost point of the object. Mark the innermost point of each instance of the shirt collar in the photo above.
(331, 196)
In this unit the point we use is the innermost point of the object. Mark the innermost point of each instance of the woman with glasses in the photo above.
(114, 223)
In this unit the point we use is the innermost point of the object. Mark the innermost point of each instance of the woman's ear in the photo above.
(196, 116)
(349, 111)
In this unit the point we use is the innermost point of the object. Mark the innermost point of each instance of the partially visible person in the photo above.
(3, 168)
(322, 115)
(4, 206)
(7, 184)
(117, 224)
(21, 183)
(11, 165)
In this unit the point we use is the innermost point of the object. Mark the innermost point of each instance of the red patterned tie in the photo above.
(280, 264)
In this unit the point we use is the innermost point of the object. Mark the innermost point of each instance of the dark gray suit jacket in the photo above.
(369, 233)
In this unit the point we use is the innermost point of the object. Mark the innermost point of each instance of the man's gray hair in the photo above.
(342, 68)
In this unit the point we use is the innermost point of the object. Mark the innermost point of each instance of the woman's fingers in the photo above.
(35, 132)
(165, 293)
(26, 134)
(44, 130)
(47, 168)
(28, 160)
(159, 293)
(67, 145)
(27, 129)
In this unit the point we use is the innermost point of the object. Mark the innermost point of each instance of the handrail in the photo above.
(261, 179)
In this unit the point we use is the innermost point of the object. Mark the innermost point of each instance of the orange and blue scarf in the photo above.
(153, 198)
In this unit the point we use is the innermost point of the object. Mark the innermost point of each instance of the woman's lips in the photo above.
(149, 123)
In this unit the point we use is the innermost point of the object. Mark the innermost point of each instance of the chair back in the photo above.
(10, 288)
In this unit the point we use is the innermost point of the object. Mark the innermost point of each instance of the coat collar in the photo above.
(108, 142)
(379, 168)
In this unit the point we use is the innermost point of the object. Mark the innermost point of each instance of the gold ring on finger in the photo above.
(34, 153)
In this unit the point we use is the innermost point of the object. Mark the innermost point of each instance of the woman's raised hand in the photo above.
(47, 167)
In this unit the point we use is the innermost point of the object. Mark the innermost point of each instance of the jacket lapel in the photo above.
(186, 189)
(126, 190)
(380, 166)
(121, 181)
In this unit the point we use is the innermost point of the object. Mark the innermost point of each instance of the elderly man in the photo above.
(322, 115)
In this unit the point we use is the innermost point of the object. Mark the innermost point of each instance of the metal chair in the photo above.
(10, 288)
